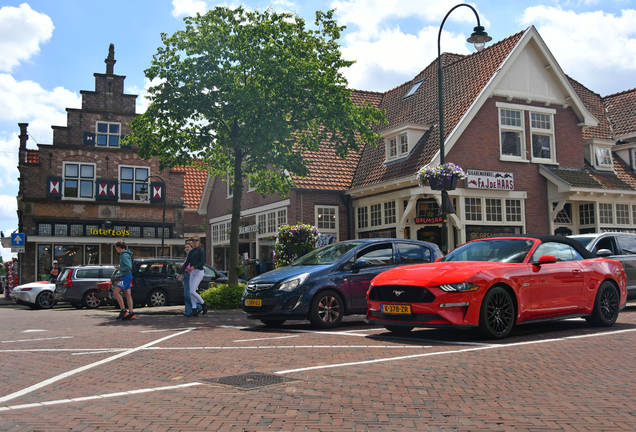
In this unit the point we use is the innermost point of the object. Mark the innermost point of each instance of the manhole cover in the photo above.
(251, 380)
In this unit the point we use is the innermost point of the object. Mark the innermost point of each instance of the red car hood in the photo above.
(436, 273)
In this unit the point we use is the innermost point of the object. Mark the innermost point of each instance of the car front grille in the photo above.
(258, 309)
(254, 287)
(400, 294)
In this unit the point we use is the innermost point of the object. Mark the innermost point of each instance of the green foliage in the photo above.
(294, 241)
(223, 296)
(247, 93)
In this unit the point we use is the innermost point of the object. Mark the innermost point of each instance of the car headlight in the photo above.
(293, 282)
(459, 287)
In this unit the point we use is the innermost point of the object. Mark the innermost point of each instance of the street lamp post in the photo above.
(144, 195)
(479, 38)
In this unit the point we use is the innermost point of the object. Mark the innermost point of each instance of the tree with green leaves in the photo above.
(246, 93)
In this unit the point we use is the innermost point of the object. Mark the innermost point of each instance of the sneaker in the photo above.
(205, 308)
(122, 314)
(129, 316)
(194, 313)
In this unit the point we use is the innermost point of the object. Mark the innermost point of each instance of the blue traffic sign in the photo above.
(17, 239)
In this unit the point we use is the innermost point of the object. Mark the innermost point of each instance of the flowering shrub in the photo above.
(292, 242)
(440, 172)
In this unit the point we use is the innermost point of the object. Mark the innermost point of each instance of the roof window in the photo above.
(414, 88)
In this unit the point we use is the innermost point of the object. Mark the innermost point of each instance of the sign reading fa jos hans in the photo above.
(490, 180)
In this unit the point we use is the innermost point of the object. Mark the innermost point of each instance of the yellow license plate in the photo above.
(396, 309)
(253, 302)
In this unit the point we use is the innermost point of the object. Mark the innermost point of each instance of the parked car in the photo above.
(78, 285)
(330, 282)
(155, 282)
(499, 282)
(618, 246)
(36, 295)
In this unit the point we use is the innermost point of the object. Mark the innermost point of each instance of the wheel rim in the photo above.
(499, 313)
(157, 299)
(92, 300)
(329, 309)
(609, 304)
(46, 300)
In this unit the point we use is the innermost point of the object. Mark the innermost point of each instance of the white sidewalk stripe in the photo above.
(83, 368)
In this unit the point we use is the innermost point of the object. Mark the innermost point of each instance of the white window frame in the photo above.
(494, 210)
(375, 210)
(134, 182)
(602, 163)
(108, 134)
(622, 214)
(512, 128)
(543, 132)
(229, 189)
(511, 216)
(605, 213)
(362, 217)
(390, 213)
(479, 214)
(323, 230)
(79, 180)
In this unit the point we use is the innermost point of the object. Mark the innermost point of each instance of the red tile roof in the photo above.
(193, 184)
(594, 104)
(621, 109)
(328, 171)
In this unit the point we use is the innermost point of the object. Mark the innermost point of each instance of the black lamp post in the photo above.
(143, 194)
(479, 39)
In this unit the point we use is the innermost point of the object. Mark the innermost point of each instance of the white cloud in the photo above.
(8, 221)
(188, 7)
(22, 30)
(9, 162)
(142, 100)
(592, 47)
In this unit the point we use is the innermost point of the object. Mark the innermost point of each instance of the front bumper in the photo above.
(283, 305)
(22, 296)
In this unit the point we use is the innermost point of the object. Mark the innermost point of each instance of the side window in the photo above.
(606, 243)
(410, 253)
(87, 274)
(378, 255)
(106, 273)
(561, 251)
(427, 254)
(209, 272)
(627, 244)
(173, 269)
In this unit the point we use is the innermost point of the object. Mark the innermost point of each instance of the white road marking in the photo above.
(103, 396)
(34, 330)
(165, 330)
(279, 337)
(451, 352)
(286, 347)
(86, 367)
(37, 339)
(233, 327)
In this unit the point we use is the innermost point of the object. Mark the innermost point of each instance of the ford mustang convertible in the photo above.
(496, 283)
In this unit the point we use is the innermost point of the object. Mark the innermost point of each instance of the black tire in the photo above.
(45, 300)
(606, 306)
(157, 298)
(327, 309)
(398, 329)
(77, 305)
(273, 322)
(90, 300)
(497, 315)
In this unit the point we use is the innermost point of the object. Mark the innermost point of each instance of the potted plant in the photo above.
(441, 177)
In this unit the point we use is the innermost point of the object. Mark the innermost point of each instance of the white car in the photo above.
(36, 295)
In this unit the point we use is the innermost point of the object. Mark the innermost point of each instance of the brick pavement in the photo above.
(521, 383)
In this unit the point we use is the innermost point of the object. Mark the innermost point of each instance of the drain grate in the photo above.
(251, 380)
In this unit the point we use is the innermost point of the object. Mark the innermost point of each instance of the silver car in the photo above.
(78, 285)
(36, 295)
(618, 246)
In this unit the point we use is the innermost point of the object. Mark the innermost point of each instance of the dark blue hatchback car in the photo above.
(330, 282)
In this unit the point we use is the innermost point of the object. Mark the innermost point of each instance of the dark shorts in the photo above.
(124, 282)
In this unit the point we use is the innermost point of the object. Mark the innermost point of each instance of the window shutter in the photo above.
(89, 138)
(157, 192)
(106, 190)
(54, 187)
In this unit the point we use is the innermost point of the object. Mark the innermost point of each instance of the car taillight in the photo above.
(67, 282)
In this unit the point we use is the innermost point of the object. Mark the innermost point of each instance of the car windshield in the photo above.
(499, 250)
(585, 241)
(326, 255)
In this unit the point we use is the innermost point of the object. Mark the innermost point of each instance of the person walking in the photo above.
(186, 283)
(195, 259)
(125, 271)
(54, 273)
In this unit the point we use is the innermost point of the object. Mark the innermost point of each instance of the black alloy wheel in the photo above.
(326, 310)
(90, 300)
(157, 298)
(497, 315)
(45, 300)
(606, 306)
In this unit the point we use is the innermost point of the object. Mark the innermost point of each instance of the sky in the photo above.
(49, 50)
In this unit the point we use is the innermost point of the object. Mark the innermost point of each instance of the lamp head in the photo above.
(143, 192)
(479, 38)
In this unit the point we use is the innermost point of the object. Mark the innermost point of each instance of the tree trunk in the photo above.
(236, 217)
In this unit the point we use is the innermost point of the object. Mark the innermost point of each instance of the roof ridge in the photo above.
(619, 93)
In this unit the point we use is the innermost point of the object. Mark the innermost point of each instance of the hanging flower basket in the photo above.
(441, 177)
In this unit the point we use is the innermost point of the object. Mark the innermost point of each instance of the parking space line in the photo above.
(103, 396)
(514, 344)
(166, 330)
(37, 339)
(278, 337)
(86, 367)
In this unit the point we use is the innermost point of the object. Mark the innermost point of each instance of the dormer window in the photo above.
(400, 141)
(603, 157)
(598, 152)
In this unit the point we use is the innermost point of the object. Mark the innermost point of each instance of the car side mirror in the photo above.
(604, 253)
(360, 264)
(438, 259)
(545, 259)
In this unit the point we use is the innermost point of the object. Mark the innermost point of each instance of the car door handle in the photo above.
(577, 272)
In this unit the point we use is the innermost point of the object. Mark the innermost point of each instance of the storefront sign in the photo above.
(248, 229)
(490, 180)
(428, 220)
(109, 232)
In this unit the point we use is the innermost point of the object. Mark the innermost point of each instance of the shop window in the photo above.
(215, 233)
(389, 212)
(45, 229)
(605, 213)
(61, 230)
(77, 230)
(149, 232)
(376, 215)
(90, 228)
(131, 180)
(363, 217)
(244, 236)
(282, 217)
(622, 214)
(493, 210)
(262, 223)
(79, 180)
(473, 209)
(513, 210)
(135, 231)
(108, 134)
(45, 261)
(92, 254)
(68, 255)
(271, 222)
(586, 214)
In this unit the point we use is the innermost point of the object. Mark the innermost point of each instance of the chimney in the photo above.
(23, 139)
(110, 60)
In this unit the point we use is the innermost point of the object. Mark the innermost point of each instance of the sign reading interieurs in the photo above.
(490, 180)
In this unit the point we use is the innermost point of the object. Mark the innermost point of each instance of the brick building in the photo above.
(566, 155)
(82, 193)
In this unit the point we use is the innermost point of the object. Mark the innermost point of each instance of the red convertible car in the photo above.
(497, 282)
